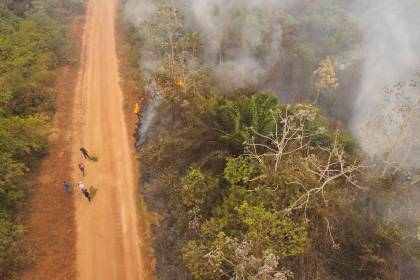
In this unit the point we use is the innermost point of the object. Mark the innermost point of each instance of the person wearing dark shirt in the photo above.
(84, 152)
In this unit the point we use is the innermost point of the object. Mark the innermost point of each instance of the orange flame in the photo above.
(182, 83)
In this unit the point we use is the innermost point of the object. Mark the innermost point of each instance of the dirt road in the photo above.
(107, 234)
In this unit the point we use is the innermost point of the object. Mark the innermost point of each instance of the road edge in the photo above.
(133, 92)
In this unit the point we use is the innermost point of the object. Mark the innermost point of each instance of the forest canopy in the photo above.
(246, 185)
(33, 42)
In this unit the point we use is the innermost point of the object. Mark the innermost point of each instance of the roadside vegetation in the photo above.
(250, 188)
(33, 42)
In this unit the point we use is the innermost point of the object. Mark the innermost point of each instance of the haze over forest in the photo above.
(210, 139)
(356, 61)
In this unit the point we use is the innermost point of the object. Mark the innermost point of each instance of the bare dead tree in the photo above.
(327, 172)
(291, 138)
(234, 260)
(393, 130)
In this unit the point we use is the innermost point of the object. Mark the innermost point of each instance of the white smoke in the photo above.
(240, 61)
(390, 54)
(149, 114)
(242, 39)
(138, 11)
(258, 45)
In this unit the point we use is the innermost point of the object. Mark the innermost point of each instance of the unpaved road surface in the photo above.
(108, 245)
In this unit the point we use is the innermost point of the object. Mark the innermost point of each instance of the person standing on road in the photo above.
(83, 189)
(84, 152)
(67, 186)
(82, 168)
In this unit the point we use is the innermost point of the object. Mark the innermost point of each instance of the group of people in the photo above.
(80, 184)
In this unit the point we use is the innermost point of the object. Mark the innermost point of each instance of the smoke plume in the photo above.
(390, 55)
(258, 47)
(389, 50)
(258, 38)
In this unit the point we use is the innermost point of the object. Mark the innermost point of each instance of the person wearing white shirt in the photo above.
(83, 189)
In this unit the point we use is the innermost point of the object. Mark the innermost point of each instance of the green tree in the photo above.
(233, 120)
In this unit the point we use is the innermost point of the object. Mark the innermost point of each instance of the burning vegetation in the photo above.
(245, 153)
